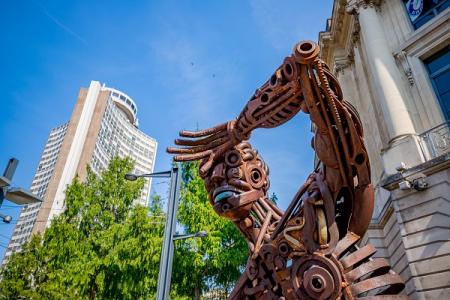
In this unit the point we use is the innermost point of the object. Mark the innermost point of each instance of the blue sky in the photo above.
(187, 65)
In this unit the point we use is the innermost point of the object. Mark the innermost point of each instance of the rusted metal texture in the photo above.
(310, 250)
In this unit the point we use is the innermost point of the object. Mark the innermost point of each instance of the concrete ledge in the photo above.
(427, 168)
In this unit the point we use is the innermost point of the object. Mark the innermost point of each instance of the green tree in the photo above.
(215, 262)
(101, 247)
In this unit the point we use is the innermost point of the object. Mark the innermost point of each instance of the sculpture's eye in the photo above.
(233, 158)
(256, 176)
(234, 173)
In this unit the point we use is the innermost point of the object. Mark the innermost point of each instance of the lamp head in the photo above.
(201, 234)
(7, 219)
(131, 177)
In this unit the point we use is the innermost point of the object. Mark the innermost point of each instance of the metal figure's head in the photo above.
(236, 180)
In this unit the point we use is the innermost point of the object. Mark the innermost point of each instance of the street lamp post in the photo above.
(13, 194)
(165, 266)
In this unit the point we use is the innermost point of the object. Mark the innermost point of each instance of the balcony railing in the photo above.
(436, 141)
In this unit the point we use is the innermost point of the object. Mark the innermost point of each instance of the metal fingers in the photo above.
(200, 148)
(375, 265)
(200, 141)
(356, 257)
(205, 145)
(344, 244)
(386, 283)
(189, 157)
(205, 132)
(363, 275)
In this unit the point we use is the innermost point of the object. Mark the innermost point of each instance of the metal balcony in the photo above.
(436, 141)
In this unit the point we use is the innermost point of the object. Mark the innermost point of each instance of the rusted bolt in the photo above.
(306, 52)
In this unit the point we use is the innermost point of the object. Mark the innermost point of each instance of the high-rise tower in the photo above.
(103, 124)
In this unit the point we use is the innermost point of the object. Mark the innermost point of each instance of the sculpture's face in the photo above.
(236, 180)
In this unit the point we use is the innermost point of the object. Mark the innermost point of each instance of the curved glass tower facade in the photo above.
(118, 135)
(103, 124)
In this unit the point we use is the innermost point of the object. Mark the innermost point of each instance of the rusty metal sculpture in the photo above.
(309, 251)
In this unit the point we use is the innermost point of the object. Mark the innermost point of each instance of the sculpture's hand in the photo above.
(206, 145)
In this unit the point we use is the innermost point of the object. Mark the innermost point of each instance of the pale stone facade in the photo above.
(383, 53)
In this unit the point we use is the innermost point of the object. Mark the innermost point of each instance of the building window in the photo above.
(438, 67)
(422, 11)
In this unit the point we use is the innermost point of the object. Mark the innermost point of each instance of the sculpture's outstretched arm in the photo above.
(273, 104)
(302, 82)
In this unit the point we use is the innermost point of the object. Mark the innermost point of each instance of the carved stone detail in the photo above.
(402, 60)
(356, 30)
(343, 64)
(353, 6)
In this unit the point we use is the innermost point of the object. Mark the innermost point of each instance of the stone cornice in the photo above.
(337, 31)
(353, 6)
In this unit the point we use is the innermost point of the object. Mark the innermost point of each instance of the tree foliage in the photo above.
(104, 247)
(101, 247)
(211, 263)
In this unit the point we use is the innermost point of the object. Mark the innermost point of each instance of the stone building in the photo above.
(392, 59)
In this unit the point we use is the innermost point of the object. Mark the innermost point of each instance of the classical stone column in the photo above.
(403, 144)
